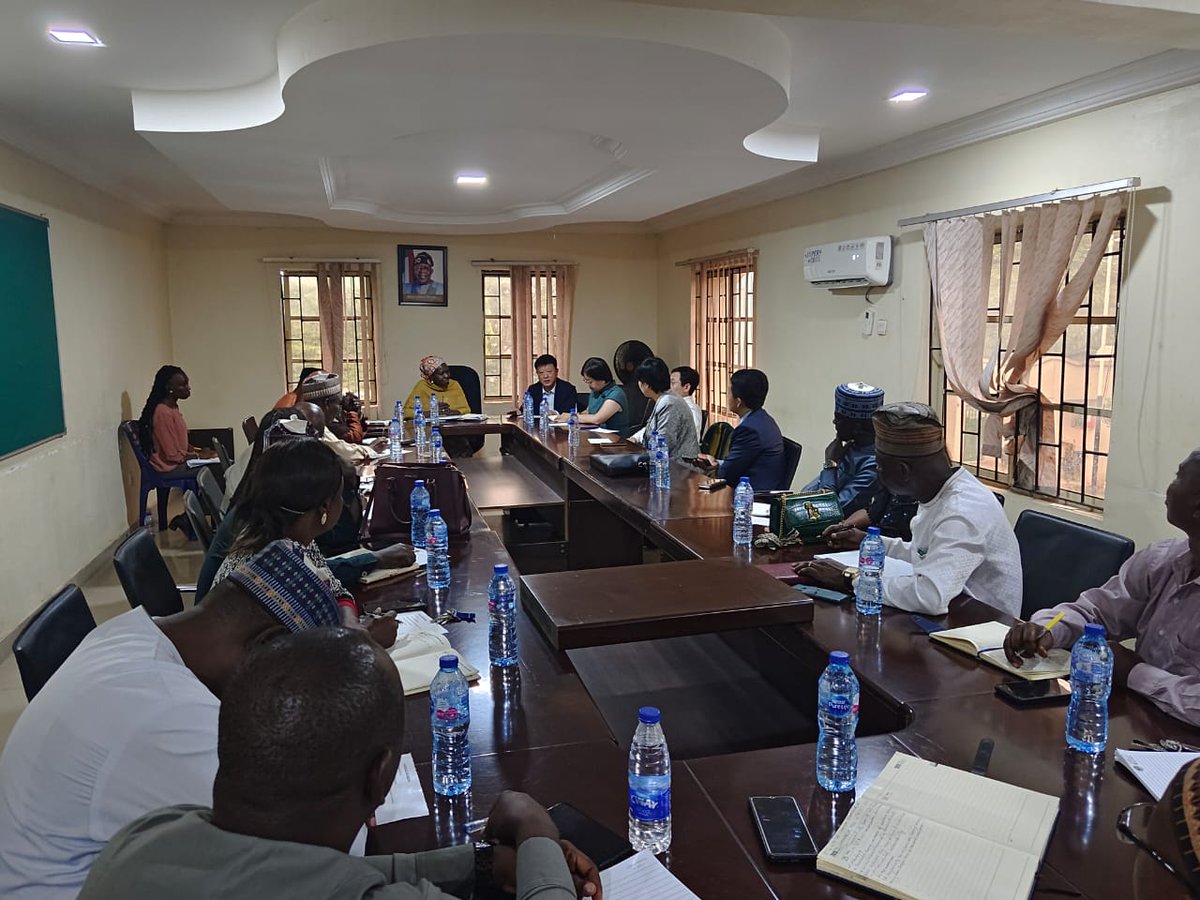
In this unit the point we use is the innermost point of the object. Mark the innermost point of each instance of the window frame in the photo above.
(724, 295)
(500, 317)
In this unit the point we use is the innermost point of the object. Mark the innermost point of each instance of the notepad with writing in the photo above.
(1155, 769)
(643, 877)
(985, 641)
(930, 832)
(891, 567)
(416, 654)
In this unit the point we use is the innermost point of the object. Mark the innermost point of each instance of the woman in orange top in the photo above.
(161, 429)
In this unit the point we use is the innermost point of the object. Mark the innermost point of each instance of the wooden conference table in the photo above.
(538, 730)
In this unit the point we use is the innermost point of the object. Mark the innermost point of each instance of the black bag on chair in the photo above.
(621, 465)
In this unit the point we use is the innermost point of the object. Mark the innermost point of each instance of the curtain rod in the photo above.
(697, 259)
(484, 263)
(318, 259)
(1064, 194)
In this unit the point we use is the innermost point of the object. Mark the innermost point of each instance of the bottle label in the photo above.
(650, 805)
(840, 706)
(446, 714)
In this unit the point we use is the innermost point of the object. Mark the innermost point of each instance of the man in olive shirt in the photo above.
(309, 743)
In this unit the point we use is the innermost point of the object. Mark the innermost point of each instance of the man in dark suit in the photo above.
(757, 447)
(562, 393)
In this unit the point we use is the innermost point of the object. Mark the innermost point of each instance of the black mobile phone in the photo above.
(1033, 693)
(604, 847)
(782, 829)
(714, 485)
(927, 625)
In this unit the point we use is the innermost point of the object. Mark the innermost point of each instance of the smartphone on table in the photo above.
(1034, 693)
(782, 829)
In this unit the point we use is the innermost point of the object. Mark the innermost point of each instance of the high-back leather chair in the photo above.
(468, 380)
(51, 636)
(210, 495)
(144, 575)
(791, 461)
(1061, 559)
(199, 518)
(717, 440)
(152, 479)
(250, 429)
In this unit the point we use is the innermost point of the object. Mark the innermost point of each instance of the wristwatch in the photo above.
(849, 574)
(830, 464)
(485, 880)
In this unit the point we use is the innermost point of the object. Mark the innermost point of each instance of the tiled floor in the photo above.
(107, 599)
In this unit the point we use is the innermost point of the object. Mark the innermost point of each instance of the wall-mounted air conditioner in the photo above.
(865, 262)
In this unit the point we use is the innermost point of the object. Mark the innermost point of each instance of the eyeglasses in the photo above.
(1139, 815)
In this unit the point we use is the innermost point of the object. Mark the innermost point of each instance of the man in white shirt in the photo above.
(684, 382)
(128, 724)
(962, 542)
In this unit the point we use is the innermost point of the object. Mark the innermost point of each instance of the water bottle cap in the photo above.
(449, 662)
(500, 569)
(649, 715)
(839, 658)
(435, 514)
(745, 479)
(873, 530)
(1095, 630)
(420, 481)
(396, 419)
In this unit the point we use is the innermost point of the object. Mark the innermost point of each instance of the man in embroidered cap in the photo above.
(342, 411)
(128, 724)
(962, 542)
(1167, 836)
(850, 458)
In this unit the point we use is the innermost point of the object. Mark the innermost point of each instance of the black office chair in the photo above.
(1061, 559)
(222, 455)
(999, 496)
(199, 519)
(50, 637)
(703, 420)
(791, 461)
(468, 380)
(211, 496)
(637, 406)
(717, 440)
(144, 575)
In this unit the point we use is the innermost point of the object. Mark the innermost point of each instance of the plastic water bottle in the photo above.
(435, 412)
(502, 618)
(437, 551)
(651, 447)
(435, 444)
(527, 410)
(868, 590)
(743, 509)
(649, 784)
(398, 410)
(837, 717)
(450, 717)
(395, 441)
(545, 416)
(573, 430)
(419, 427)
(418, 502)
(1091, 682)
(662, 464)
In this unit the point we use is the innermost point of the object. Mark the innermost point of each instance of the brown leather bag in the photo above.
(389, 515)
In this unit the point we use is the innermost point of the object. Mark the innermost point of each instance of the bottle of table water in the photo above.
(527, 410)
(502, 618)
(651, 447)
(435, 444)
(435, 412)
(450, 717)
(868, 589)
(395, 441)
(398, 413)
(649, 784)
(419, 427)
(418, 502)
(662, 464)
(545, 412)
(1091, 682)
(573, 430)
(743, 509)
(837, 717)
(437, 551)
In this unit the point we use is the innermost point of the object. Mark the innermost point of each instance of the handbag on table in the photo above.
(389, 514)
(804, 516)
(621, 465)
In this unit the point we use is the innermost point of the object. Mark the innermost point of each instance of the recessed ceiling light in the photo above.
(471, 180)
(73, 36)
(907, 96)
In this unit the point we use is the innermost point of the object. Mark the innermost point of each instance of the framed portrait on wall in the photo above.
(422, 275)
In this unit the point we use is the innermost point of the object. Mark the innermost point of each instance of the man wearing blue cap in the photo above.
(850, 458)
(128, 724)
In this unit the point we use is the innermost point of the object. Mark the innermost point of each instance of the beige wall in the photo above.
(225, 309)
(64, 501)
(809, 339)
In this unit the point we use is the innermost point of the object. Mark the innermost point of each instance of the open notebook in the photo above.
(891, 567)
(420, 643)
(1154, 769)
(986, 641)
(930, 832)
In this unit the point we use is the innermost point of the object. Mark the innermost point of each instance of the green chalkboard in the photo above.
(28, 336)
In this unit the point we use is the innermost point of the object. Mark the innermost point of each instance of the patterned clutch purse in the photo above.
(804, 516)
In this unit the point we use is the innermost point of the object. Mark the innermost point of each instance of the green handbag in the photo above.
(804, 516)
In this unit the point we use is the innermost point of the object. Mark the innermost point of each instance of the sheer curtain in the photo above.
(1048, 294)
(332, 311)
(543, 297)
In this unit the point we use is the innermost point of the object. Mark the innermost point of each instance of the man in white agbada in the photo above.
(962, 542)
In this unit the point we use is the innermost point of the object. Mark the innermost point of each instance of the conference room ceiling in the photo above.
(582, 113)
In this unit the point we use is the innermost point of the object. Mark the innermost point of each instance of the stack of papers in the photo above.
(642, 877)
(1155, 769)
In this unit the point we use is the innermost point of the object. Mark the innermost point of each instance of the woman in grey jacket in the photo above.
(670, 416)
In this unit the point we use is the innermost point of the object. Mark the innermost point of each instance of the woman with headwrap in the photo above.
(436, 383)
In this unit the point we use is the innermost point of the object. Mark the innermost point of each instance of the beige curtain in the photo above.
(560, 335)
(542, 302)
(370, 325)
(331, 307)
(522, 349)
(960, 254)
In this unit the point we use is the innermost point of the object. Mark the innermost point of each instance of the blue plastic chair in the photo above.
(154, 480)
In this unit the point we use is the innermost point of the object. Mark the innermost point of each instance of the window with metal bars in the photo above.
(1075, 377)
(498, 326)
(722, 326)
(302, 330)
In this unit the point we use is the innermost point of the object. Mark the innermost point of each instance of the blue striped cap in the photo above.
(856, 400)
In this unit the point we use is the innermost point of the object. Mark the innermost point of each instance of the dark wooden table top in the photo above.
(501, 482)
(594, 607)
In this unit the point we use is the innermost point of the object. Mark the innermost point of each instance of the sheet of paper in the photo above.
(850, 558)
(762, 510)
(642, 877)
(417, 620)
(604, 430)
(764, 521)
(599, 441)
(405, 800)
(197, 463)
(1155, 769)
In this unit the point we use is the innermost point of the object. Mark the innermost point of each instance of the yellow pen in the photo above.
(1053, 621)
